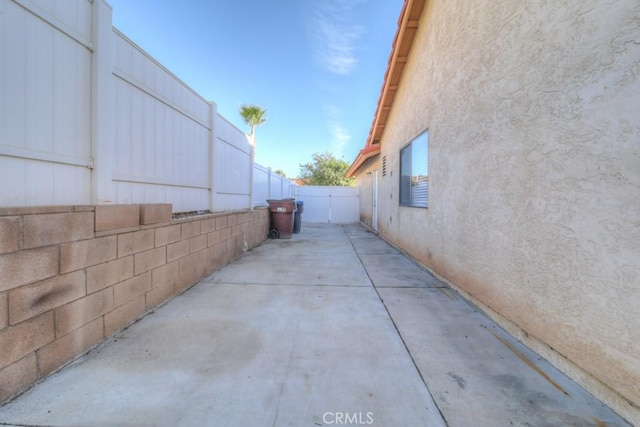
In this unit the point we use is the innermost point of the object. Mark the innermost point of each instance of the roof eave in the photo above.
(402, 42)
(364, 155)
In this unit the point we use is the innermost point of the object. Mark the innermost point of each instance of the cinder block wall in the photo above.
(70, 276)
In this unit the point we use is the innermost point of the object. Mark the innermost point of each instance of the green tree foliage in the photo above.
(325, 169)
(280, 172)
(253, 115)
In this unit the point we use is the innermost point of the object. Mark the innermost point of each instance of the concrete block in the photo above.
(203, 266)
(51, 229)
(9, 234)
(18, 376)
(190, 229)
(213, 237)
(130, 289)
(230, 250)
(207, 225)
(86, 253)
(197, 243)
(165, 275)
(177, 250)
(145, 261)
(78, 313)
(19, 340)
(21, 268)
(31, 210)
(219, 255)
(221, 222)
(225, 234)
(163, 280)
(139, 241)
(167, 235)
(29, 301)
(112, 217)
(187, 271)
(123, 315)
(4, 310)
(232, 220)
(62, 350)
(109, 273)
(154, 213)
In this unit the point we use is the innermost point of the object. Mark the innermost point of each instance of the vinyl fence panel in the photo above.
(87, 116)
(45, 84)
(329, 204)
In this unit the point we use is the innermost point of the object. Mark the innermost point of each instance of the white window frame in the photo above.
(414, 172)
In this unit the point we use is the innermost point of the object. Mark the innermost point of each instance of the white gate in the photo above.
(329, 204)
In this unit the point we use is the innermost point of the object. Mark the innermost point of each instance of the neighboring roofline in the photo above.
(364, 155)
(402, 42)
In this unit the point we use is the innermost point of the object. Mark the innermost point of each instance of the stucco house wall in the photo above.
(534, 174)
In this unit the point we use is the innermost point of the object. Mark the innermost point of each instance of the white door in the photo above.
(374, 214)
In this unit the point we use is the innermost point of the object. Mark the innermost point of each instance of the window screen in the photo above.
(414, 172)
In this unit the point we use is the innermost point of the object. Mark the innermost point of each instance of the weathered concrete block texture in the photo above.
(19, 340)
(129, 289)
(163, 280)
(190, 229)
(80, 312)
(532, 124)
(113, 217)
(50, 229)
(197, 243)
(86, 253)
(139, 241)
(123, 315)
(177, 250)
(70, 277)
(153, 213)
(145, 261)
(4, 310)
(109, 273)
(166, 235)
(62, 350)
(21, 268)
(29, 301)
(9, 234)
(18, 376)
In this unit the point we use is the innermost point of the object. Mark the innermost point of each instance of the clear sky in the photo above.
(317, 66)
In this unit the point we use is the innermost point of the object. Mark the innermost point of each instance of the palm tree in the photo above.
(253, 115)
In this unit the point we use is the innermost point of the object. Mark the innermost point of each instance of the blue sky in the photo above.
(317, 66)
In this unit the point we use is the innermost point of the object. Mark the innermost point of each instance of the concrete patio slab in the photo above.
(476, 371)
(307, 268)
(305, 339)
(372, 246)
(396, 270)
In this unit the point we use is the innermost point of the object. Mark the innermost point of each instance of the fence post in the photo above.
(269, 183)
(251, 174)
(213, 111)
(102, 104)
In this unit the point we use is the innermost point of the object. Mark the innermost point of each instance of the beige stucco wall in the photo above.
(534, 169)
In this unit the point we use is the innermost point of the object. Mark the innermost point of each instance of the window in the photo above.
(414, 172)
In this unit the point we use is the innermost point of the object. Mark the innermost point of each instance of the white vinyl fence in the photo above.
(338, 205)
(269, 185)
(87, 117)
